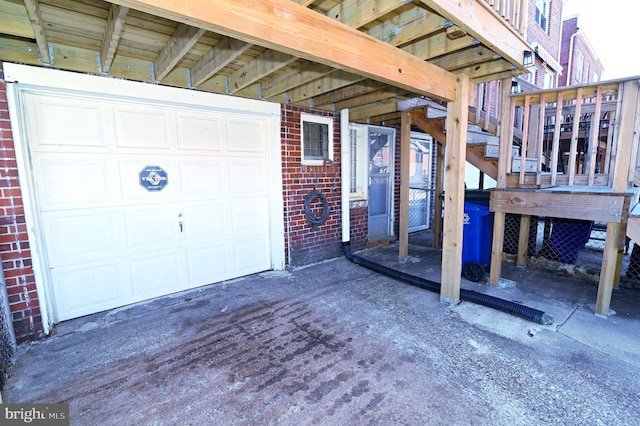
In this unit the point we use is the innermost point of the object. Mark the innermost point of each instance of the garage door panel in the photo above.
(247, 177)
(202, 178)
(92, 288)
(55, 122)
(158, 275)
(132, 192)
(151, 229)
(251, 256)
(199, 131)
(110, 240)
(249, 218)
(247, 135)
(142, 128)
(81, 237)
(209, 265)
(70, 180)
(205, 223)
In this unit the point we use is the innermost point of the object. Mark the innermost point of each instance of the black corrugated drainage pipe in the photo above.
(468, 295)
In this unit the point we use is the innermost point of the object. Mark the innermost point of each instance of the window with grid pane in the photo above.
(542, 11)
(317, 139)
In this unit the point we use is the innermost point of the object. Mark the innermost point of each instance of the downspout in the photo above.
(571, 43)
(345, 164)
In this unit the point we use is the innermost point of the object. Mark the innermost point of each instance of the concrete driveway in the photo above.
(337, 344)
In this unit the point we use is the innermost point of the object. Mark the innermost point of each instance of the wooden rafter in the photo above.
(222, 54)
(35, 17)
(115, 24)
(265, 64)
(358, 13)
(175, 48)
(295, 76)
(289, 28)
(475, 18)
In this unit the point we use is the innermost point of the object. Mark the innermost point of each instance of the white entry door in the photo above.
(140, 198)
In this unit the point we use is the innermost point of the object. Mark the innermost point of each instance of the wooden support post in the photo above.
(455, 157)
(609, 265)
(405, 152)
(437, 216)
(497, 246)
(507, 112)
(523, 240)
(615, 236)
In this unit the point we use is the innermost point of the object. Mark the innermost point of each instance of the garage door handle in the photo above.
(180, 224)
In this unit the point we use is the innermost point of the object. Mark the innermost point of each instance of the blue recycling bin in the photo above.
(568, 236)
(477, 233)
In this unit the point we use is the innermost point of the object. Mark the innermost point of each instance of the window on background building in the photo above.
(549, 80)
(587, 72)
(542, 13)
(317, 139)
(579, 66)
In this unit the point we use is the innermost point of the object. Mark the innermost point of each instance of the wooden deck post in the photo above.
(504, 160)
(437, 216)
(455, 157)
(523, 241)
(405, 152)
(614, 243)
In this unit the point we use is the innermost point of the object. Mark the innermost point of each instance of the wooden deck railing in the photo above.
(576, 136)
(514, 12)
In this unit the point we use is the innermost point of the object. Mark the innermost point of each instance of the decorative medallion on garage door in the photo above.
(153, 178)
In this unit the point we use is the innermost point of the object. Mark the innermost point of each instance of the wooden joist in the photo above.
(596, 206)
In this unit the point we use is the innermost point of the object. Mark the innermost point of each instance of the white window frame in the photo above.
(549, 80)
(359, 149)
(579, 67)
(542, 14)
(328, 156)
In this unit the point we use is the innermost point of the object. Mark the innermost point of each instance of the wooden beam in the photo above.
(115, 24)
(182, 40)
(218, 57)
(597, 206)
(35, 16)
(457, 117)
(290, 28)
(405, 154)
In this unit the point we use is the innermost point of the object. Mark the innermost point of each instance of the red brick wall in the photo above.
(14, 243)
(549, 39)
(359, 222)
(304, 243)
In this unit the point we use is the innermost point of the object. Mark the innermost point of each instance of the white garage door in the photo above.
(138, 199)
